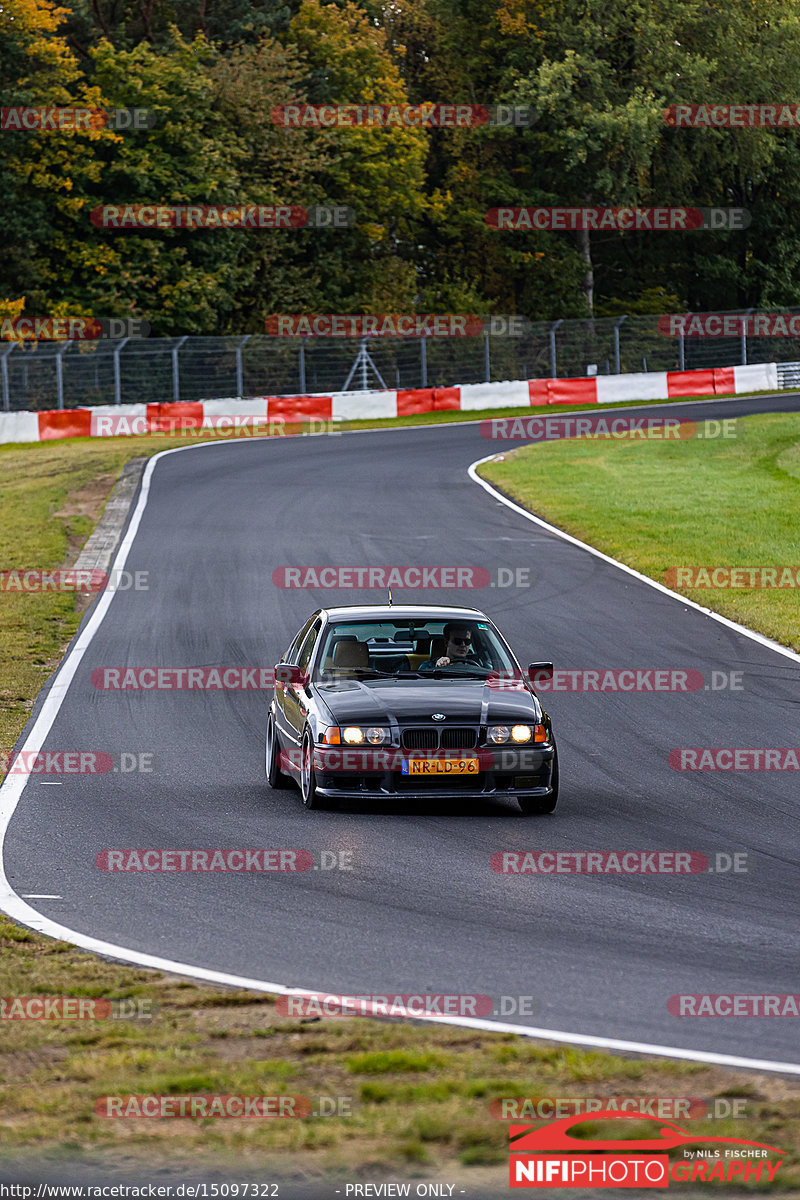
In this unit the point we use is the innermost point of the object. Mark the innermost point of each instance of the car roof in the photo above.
(387, 611)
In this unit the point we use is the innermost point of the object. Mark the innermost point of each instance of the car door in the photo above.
(290, 656)
(296, 698)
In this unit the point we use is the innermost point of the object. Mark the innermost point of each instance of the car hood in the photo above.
(412, 701)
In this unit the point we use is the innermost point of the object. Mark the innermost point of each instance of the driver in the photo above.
(458, 649)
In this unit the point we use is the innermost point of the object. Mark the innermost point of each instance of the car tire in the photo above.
(533, 806)
(276, 778)
(308, 782)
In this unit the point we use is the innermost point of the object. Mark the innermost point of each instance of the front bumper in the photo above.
(377, 774)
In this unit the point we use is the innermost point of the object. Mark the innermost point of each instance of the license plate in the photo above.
(440, 766)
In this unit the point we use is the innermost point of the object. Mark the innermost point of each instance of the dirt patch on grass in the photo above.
(87, 502)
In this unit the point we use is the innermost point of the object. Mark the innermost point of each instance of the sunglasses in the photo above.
(461, 641)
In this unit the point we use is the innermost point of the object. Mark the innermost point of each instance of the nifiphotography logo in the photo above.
(552, 1157)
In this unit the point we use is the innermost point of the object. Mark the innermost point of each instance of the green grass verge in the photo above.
(51, 495)
(407, 1098)
(419, 1095)
(660, 504)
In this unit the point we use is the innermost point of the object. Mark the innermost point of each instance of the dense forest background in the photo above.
(599, 76)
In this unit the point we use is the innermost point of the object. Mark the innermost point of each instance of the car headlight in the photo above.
(376, 735)
(498, 733)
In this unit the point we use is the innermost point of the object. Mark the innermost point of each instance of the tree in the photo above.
(607, 75)
(45, 172)
(379, 172)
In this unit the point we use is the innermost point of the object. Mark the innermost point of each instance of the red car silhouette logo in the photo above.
(555, 1136)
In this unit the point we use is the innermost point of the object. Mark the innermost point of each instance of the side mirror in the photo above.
(290, 673)
(540, 672)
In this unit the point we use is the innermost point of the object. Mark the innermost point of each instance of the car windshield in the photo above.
(456, 648)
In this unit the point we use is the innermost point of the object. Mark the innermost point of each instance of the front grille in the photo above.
(458, 739)
(454, 738)
(420, 739)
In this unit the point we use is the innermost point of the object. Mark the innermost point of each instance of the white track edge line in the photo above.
(653, 583)
(15, 907)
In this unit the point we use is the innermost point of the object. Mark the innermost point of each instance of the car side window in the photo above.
(292, 653)
(308, 645)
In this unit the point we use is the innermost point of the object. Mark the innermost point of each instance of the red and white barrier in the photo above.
(266, 414)
(477, 396)
(19, 427)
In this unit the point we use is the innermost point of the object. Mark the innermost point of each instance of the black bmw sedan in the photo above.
(389, 701)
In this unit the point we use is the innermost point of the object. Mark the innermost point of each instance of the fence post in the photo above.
(423, 362)
(744, 337)
(176, 390)
(553, 329)
(487, 366)
(302, 366)
(239, 372)
(117, 375)
(616, 342)
(60, 371)
(4, 361)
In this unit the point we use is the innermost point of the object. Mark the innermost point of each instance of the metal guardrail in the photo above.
(50, 375)
(789, 375)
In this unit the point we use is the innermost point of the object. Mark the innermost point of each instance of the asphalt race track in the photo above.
(422, 912)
